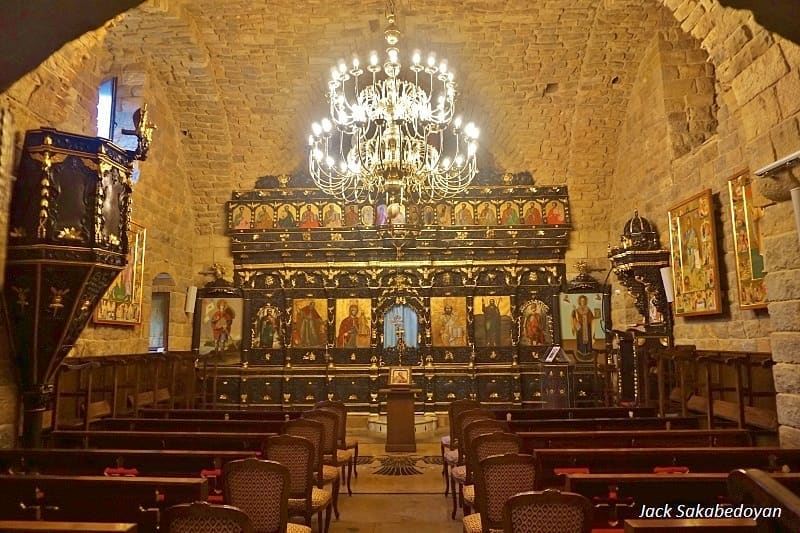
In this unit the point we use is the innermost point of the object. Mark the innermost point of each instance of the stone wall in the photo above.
(756, 88)
(62, 93)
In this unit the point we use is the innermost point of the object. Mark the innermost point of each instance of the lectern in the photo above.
(400, 419)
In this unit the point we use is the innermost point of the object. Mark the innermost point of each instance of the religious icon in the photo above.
(487, 216)
(509, 214)
(353, 319)
(464, 215)
(400, 377)
(536, 324)
(309, 218)
(449, 318)
(533, 214)
(443, 212)
(581, 322)
(351, 216)
(413, 215)
(263, 217)
(121, 305)
(694, 267)
(309, 323)
(428, 215)
(287, 216)
(221, 325)
(746, 218)
(400, 321)
(382, 215)
(266, 328)
(397, 212)
(240, 219)
(554, 213)
(332, 216)
(492, 321)
(367, 215)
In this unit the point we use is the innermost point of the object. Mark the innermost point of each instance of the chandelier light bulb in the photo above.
(342, 67)
(416, 59)
(316, 128)
(373, 58)
(459, 160)
(443, 67)
(431, 61)
(311, 140)
(393, 55)
(326, 125)
(355, 63)
(334, 73)
(329, 161)
(457, 122)
(446, 162)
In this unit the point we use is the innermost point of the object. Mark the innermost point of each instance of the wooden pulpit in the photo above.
(400, 420)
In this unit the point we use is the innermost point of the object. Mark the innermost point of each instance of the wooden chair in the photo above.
(458, 470)
(483, 446)
(297, 454)
(450, 442)
(470, 431)
(550, 511)
(331, 453)
(497, 478)
(345, 442)
(323, 474)
(202, 517)
(261, 489)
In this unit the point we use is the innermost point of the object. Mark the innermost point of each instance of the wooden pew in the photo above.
(96, 498)
(605, 424)
(620, 496)
(219, 414)
(185, 425)
(644, 460)
(159, 463)
(34, 526)
(679, 438)
(575, 412)
(158, 440)
(755, 487)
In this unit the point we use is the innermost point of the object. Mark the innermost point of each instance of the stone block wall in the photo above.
(62, 93)
(755, 86)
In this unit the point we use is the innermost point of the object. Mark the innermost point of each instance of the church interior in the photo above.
(521, 266)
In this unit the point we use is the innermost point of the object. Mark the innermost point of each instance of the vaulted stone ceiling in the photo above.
(547, 81)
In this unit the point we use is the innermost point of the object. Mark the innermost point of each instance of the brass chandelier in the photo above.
(392, 135)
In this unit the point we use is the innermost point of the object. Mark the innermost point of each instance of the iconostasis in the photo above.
(323, 292)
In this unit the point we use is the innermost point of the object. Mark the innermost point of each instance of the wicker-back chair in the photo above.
(450, 442)
(305, 499)
(331, 454)
(550, 511)
(466, 489)
(202, 517)
(481, 447)
(497, 478)
(458, 471)
(323, 474)
(260, 489)
(345, 442)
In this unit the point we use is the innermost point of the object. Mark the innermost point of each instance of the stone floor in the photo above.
(418, 505)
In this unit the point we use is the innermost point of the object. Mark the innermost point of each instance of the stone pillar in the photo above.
(782, 258)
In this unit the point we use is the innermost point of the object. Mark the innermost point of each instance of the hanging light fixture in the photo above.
(392, 135)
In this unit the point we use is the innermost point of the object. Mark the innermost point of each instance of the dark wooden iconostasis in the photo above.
(321, 288)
